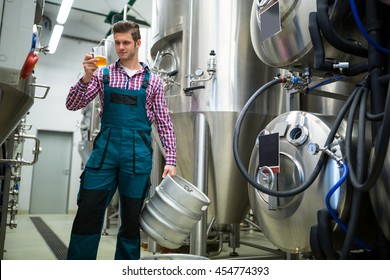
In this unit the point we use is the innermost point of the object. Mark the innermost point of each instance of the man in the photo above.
(132, 99)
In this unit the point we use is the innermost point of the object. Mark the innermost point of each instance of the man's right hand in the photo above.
(89, 67)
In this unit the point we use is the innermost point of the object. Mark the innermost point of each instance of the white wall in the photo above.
(60, 71)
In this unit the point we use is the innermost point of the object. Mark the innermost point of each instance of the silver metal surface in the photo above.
(21, 161)
(198, 238)
(15, 101)
(110, 49)
(288, 224)
(183, 35)
(174, 257)
(6, 187)
(292, 48)
(89, 128)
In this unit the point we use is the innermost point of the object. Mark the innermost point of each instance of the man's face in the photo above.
(125, 46)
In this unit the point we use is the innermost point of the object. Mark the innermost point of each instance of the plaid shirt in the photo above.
(81, 94)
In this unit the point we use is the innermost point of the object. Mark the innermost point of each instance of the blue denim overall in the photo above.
(121, 157)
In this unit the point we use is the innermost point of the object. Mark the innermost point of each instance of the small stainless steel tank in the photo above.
(287, 223)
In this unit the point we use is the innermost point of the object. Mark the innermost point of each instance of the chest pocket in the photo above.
(124, 99)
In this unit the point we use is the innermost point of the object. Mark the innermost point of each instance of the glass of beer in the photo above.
(100, 53)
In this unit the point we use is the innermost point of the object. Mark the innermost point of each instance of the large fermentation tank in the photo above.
(15, 101)
(287, 221)
(291, 46)
(16, 33)
(192, 37)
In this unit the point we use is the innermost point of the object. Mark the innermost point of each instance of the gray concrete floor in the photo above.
(26, 243)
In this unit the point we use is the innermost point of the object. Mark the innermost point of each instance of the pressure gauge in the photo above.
(199, 72)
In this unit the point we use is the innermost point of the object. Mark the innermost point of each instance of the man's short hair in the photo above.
(124, 26)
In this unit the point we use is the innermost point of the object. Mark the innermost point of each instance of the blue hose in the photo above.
(333, 213)
(363, 31)
(325, 82)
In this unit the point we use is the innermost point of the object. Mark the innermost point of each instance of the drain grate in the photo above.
(55, 244)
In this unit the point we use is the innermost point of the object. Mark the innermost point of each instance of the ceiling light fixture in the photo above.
(55, 38)
(64, 11)
(62, 16)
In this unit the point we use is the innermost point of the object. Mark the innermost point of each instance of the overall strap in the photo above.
(106, 76)
(145, 82)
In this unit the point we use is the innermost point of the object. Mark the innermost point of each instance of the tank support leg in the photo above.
(198, 240)
(234, 239)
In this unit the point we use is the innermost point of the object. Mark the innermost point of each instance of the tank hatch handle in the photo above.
(41, 86)
(266, 175)
(189, 91)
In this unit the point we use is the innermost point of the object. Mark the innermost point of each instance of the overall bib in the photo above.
(121, 158)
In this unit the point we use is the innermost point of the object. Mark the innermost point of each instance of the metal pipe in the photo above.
(5, 197)
(234, 241)
(13, 177)
(198, 235)
(36, 151)
(91, 133)
(125, 11)
(210, 226)
(188, 41)
(216, 253)
(252, 224)
(277, 252)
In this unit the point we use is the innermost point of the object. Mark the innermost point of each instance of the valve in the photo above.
(297, 82)
(314, 149)
(212, 63)
(196, 77)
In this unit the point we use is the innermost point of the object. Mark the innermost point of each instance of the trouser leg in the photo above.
(132, 192)
(88, 223)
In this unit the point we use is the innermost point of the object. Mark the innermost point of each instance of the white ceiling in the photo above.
(86, 20)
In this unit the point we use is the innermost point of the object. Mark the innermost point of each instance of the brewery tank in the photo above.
(15, 101)
(286, 221)
(290, 46)
(17, 88)
(202, 50)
